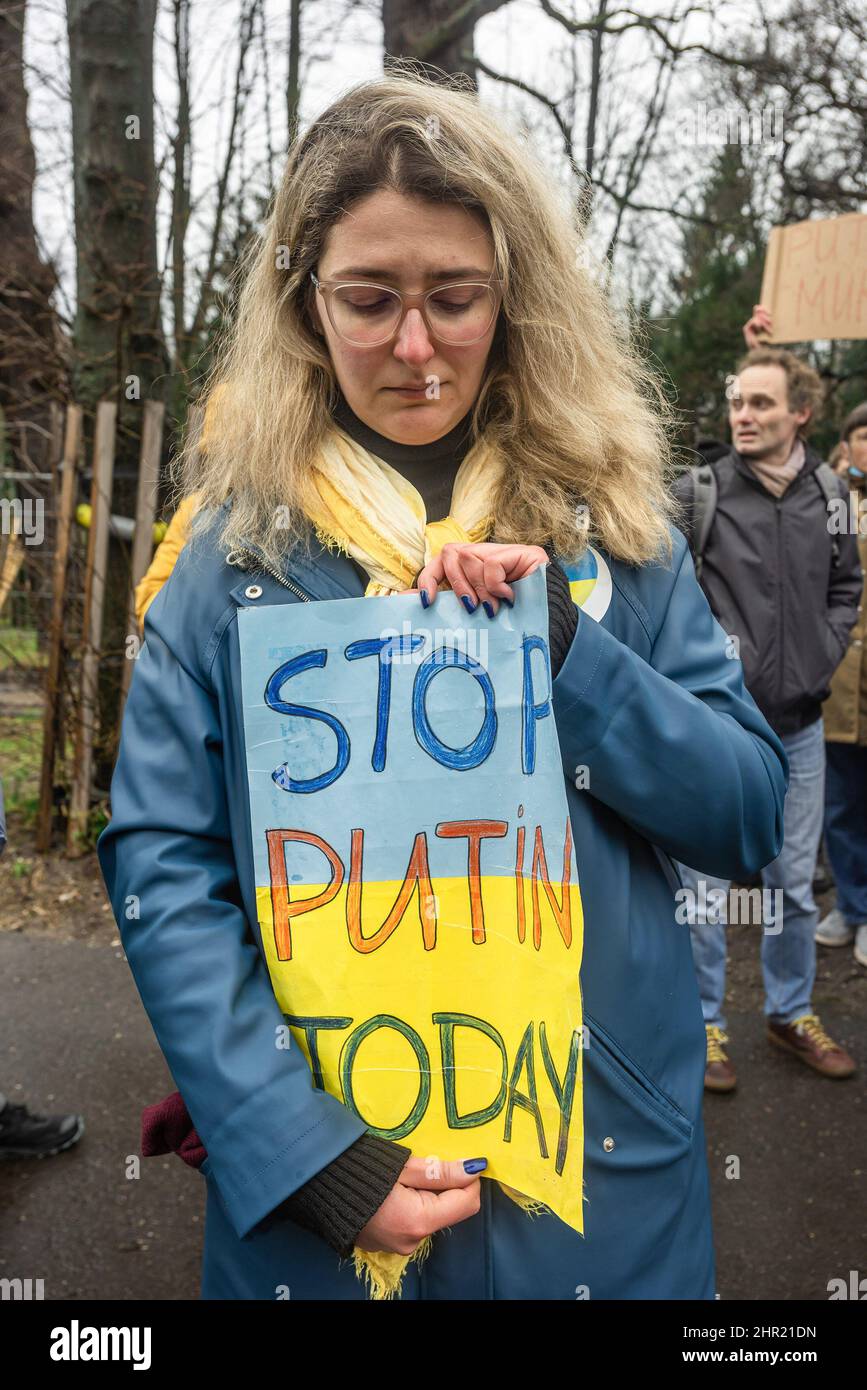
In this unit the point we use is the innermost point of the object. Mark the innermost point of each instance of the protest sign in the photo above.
(417, 889)
(815, 279)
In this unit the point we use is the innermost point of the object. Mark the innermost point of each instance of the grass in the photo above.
(20, 760)
(21, 728)
(21, 738)
(18, 648)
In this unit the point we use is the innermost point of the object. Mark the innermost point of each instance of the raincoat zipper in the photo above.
(235, 559)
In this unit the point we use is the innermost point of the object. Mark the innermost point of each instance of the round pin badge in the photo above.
(590, 583)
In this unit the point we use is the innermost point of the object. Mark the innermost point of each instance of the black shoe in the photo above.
(24, 1135)
(822, 881)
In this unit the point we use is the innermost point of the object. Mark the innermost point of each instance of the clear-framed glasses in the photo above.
(368, 315)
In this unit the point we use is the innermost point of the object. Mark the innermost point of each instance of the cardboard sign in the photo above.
(417, 889)
(815, 280)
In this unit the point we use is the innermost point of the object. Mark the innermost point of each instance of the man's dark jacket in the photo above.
(770, 581)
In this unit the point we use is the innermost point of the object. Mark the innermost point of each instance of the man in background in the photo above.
(786, 591)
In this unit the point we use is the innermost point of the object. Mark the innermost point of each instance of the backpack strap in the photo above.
(705, 492)
(828, 483)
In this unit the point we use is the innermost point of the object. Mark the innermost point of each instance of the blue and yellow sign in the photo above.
(417, 885)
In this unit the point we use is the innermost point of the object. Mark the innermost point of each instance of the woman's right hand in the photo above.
(427, 1196)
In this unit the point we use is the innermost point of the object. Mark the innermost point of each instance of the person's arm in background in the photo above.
(168, 864)
(675, 745)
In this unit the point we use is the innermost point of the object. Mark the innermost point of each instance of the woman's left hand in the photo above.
(480, 573)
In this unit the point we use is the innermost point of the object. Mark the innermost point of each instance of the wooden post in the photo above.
(94, 593)
(52, 721)
(145, 511)
(56, 452)
(13, 559)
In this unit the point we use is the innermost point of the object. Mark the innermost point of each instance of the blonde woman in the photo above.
(423, 388)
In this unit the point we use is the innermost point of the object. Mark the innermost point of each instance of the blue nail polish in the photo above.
(509, 601)
(475, 1165)
(488, 607)
(468, 603)
(425, 601)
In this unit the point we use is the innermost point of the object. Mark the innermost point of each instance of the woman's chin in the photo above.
(409, 421)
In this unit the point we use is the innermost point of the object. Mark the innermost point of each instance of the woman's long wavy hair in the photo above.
(577, 414)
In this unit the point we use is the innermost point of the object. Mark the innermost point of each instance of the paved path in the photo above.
(73, 1036)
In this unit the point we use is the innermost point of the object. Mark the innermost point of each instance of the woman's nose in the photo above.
(413, 342)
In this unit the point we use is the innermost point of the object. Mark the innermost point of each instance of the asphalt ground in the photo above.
(91, 1224)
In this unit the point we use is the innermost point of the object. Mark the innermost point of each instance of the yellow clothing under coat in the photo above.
(845, 711)
(165, 557)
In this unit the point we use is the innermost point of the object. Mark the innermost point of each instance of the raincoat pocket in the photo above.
(650, 1119)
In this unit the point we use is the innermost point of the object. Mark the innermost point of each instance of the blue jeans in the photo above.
(789, 916)
(846, 827)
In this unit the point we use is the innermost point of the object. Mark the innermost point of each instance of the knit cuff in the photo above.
(337, 1202)
(562, 615)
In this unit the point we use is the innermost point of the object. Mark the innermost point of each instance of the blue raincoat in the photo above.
(679, 764)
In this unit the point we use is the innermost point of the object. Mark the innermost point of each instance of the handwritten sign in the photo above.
(417, 889)
(815, 279)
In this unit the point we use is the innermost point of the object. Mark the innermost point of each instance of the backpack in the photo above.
(705, 492)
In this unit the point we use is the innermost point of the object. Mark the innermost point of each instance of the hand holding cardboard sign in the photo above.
(759, 328)
(428, 1196)
(480, 573)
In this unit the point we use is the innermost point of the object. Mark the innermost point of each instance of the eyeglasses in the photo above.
(368, 315)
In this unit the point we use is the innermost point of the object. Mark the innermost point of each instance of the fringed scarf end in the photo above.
(330, 541)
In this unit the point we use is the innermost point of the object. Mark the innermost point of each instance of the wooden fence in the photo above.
(67, 486)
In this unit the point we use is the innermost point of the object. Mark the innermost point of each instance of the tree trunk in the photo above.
(117, 324)
(438, 34)
(31, 345)
(119, 347)
(293, 84)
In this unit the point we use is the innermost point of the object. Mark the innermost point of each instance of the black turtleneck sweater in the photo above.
(338, 1202)
(432, 469)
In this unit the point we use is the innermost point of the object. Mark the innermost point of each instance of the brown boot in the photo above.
(806, 1037)
(719, 1074)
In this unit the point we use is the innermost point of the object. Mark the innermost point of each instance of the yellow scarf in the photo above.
(365, 508)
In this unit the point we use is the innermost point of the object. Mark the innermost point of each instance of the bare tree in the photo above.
(32, 349)
(293, 83)
(610, 151)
